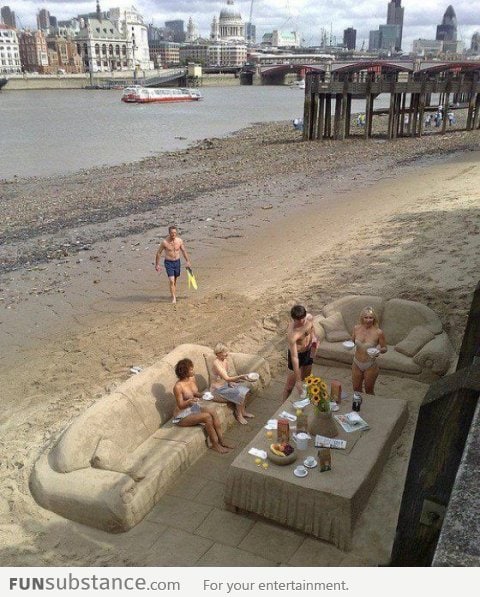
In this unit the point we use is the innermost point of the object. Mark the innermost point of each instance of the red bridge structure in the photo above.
(453, 86)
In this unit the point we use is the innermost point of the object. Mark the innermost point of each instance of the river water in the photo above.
(48, 132)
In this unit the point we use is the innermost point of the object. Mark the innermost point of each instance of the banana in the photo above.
(275, 448)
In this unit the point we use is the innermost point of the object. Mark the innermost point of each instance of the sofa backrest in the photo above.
(351, 306)
(401, 316)
(197, 354)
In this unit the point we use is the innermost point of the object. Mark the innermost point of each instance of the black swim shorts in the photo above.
(304, 359)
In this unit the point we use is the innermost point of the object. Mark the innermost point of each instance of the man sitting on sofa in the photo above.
(302, 344)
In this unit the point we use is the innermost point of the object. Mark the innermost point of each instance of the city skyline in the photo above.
(308, 17)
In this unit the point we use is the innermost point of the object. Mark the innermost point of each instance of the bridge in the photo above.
(176, 76)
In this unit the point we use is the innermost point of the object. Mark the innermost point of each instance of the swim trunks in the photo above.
(172, 267)
(304, 359)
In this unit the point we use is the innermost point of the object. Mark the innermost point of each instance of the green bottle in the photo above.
(301, 421)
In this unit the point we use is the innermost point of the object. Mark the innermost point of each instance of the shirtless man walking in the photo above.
(302, 344)
(172, 245)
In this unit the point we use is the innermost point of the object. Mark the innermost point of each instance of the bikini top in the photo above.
(365, 345)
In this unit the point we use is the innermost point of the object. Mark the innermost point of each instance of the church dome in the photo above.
(230, 12)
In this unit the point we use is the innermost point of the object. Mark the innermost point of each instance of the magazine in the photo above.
(327, 442)
(359, 425)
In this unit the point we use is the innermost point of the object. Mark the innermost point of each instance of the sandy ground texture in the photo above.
(268, 221)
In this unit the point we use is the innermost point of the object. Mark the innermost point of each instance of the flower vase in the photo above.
(321, 423)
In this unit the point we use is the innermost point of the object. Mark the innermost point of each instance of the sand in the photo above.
(309, 224)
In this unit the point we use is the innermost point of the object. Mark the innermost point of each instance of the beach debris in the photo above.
(135, 370)
(269, 206)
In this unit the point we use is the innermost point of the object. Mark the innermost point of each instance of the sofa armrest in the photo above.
(436, 355)
(246, 363)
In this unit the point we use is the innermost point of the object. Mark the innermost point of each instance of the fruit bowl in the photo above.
(282, 460)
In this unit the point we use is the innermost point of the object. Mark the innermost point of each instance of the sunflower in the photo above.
(314, 390)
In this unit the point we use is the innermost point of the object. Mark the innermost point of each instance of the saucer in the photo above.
(300, 473)
(334, 407)
(373, 352)
(313, 465)
(254, 376)
(207, 396)
(348, 344)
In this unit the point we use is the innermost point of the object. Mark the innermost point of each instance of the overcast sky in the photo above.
(308, 17)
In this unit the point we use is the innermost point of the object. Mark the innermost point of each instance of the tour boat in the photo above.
(144, 95)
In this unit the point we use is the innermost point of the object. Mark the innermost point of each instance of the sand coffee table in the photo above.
(325, 505)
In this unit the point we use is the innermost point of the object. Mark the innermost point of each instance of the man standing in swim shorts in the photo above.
(172, 245)
(302, 344)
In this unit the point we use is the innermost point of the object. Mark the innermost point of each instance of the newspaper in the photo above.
(327, 442)
(360, 425)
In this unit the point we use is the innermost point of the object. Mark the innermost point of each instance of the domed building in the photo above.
(229, 27)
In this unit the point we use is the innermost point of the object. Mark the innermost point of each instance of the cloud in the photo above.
(308, 17)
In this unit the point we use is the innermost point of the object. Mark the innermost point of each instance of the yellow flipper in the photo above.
(191, 279)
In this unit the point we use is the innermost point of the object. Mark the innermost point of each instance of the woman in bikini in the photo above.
(224, 386)
(188, 411)
(366, 335)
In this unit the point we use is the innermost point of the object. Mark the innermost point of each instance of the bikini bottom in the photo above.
(364, 365)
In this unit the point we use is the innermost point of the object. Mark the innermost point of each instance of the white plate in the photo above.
(373, 352)
(348, 344)
(254, 376)
(334, 407)
(303, 473)
(301, 403)
(207, 396)
(310, 465)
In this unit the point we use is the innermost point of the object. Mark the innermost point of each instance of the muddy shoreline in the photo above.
(60, 216)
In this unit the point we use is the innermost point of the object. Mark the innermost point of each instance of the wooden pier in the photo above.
(329, 94)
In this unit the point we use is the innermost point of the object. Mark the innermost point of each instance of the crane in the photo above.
(251, 12)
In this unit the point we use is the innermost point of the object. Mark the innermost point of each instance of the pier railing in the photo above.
(438, 521)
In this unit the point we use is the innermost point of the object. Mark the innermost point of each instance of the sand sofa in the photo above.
(113, 463)
(418, 347)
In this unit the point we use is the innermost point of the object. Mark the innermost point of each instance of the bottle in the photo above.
(283, 431)
(301, 421)
(336, 391)
(357, 402)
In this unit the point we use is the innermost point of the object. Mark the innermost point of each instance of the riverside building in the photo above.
(9, 51)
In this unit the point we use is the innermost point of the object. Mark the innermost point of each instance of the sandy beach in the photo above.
(268, 220)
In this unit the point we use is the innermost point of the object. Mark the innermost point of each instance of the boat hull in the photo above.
(142, 95)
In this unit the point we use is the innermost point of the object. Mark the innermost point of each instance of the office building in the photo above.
(350, 38)
(8, 17)
(177, 29)
(43, 19)
(395, 17)
(447, 31)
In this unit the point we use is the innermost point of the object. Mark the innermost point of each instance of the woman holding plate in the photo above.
(188, 411)
(369, 343)
(225, 387)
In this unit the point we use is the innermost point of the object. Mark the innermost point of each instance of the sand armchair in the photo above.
(113, 463)
(418, 347)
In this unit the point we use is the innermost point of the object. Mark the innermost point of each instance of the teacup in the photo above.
(348, 344)
(309, 461)
(300, 470)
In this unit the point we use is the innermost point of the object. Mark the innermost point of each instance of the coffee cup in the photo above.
(301, 439)
(310, 461)
(300, 470)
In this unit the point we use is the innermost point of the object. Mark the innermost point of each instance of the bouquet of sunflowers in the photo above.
(317, 393)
